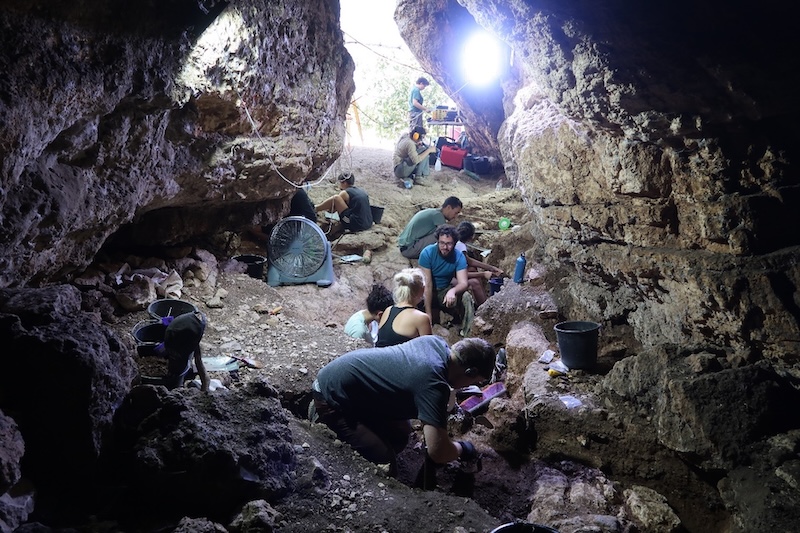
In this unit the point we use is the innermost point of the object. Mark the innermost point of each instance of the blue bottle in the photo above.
(519, 270)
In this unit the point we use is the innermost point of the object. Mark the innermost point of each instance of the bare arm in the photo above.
(471, 262)
(423, 324)
(440, 448)
(460, 287)
(428, 292)
(201, 369)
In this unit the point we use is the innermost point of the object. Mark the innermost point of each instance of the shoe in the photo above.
(408, 183)
(422, 182)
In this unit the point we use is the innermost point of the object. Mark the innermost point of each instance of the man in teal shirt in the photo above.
(415, 107)
(418, 233)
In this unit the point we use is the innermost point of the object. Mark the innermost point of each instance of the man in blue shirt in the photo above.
(441, 263)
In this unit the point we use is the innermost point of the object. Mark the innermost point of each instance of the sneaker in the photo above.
(422, 182)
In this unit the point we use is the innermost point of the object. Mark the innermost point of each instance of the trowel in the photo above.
(247, 361)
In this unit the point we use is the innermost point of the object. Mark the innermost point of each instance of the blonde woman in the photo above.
(403, 321)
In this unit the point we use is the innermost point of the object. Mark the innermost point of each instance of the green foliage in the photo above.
(386, 112)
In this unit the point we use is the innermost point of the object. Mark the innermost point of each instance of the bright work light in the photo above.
(482, 59)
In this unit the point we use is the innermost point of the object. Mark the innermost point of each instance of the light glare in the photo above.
(482, 59)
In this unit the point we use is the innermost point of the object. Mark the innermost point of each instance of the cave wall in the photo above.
(655, 146)
(122, 115)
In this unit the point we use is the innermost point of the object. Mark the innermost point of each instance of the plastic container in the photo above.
(170, 307)
(495, 284)
(504, 223)
(255, 264)
(577, 343)
(148, 334)
(377, 213)
(519, 269)
(523, 527)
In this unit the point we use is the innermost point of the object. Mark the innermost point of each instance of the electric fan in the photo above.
(299, 253)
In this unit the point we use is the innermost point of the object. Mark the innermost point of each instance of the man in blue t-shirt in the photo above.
(441, 263)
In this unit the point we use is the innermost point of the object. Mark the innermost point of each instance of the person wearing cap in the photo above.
(410, 159)
(351, 204)
(368, 397)
(415, 106)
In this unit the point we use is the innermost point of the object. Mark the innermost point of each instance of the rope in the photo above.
(264, 145)
(410, 67)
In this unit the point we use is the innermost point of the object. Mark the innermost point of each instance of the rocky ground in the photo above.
(554, 452)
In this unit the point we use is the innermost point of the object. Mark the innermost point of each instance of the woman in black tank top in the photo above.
(403, 321)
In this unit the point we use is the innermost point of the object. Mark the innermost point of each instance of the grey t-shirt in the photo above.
(398, 382)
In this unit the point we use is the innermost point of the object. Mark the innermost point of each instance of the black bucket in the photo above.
(148, 335)
(255, 264)
(170, 307)
(577, 343)
(523, 527)
(377, 213)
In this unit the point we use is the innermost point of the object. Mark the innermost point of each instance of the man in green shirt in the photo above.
(418, 233)
(415, 106)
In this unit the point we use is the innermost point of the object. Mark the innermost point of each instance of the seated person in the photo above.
(364, 324)
(351, 204)
(475, 277)
(410, 158)
(302, 206)
(418, 233)
(440, 263)
(403, 321)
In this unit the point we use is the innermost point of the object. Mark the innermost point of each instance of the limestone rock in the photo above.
(651, 510)
(524, 345)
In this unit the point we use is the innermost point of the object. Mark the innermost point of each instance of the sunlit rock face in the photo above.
(654, 146)
(114, 114)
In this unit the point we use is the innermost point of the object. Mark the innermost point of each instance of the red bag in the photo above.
(453, 156)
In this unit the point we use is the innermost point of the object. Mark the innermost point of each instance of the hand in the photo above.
(167, 320)
(487, 274)
(468, 451)
(450, 299)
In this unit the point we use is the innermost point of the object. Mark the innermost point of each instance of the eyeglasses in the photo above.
(446, 244)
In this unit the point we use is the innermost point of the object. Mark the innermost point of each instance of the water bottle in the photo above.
(519, 270)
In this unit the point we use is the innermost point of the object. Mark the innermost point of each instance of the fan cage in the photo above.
(297, 247)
